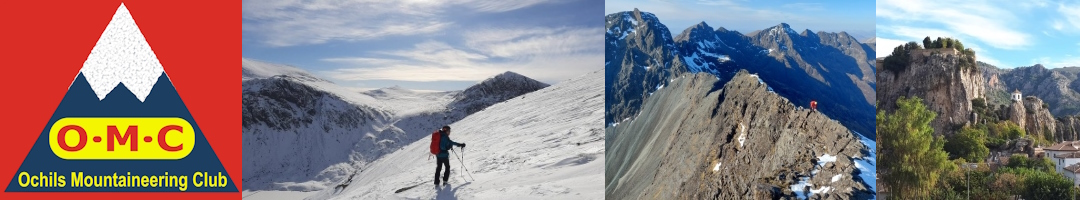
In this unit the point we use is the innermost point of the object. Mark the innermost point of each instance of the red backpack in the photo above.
(435, 142)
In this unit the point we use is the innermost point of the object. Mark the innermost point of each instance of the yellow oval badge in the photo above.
(101, 138)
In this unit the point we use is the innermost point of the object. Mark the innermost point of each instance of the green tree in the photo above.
(978, 104)
(910, 156)
(1044, 185)
(926, 42)
(1008, 130)
(1037, 164)
(969, 143)
(957, 45)
(900, 57)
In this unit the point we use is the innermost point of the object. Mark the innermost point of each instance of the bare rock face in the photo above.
(1068, 128)
(640, 56)
(938, 79)
(1036, 119)
(1018, 114)
(1040, 121)
(697, 139)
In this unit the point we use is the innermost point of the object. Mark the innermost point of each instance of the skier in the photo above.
(443, 157)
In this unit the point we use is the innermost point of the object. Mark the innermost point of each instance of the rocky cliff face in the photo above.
(1068, 128)
(640, 56)
(938, 79)
(1036, 120)
(711, 140)
(1040, 121)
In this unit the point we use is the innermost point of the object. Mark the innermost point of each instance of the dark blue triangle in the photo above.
(81, 101)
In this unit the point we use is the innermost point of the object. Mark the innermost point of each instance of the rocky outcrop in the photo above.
(1058, 87)
(1037, 120)
(494, 90)
(700, 138)
(1017, 114)
(1068, 128)
(937, 78)
(640, 56)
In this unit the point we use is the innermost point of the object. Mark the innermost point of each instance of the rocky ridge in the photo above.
(736, 140)
(833, 69)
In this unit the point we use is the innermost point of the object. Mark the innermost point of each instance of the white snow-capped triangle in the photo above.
(122, 55)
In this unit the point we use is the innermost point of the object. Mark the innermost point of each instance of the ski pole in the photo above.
(463, 163)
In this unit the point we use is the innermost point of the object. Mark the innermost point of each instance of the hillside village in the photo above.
(971, 146)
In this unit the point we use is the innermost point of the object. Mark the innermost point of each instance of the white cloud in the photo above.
(885, 46)
(1071, 15)
(547, 54)
(994, 26)
(299, 22)
(500, 5)
(1067, 61)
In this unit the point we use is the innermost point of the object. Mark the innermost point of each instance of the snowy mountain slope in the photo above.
(493, 90)
(546, 144)
(294, 133)
(303, 133)
(253, 69)
(408, 102)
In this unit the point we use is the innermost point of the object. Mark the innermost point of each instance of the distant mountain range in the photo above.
(834, 69)
(1058, 87)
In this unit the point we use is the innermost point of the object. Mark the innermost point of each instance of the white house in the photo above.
(1073, 173)
(1063, 154)
(1016, 95)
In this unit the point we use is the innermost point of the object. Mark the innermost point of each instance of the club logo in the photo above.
(122, 127)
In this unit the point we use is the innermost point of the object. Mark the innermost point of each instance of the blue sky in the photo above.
(746, 16)
(1006, 34)
(426, 44)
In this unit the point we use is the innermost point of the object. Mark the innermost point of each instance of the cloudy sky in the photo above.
(854, 17)
(1004, 33)
(426, 44)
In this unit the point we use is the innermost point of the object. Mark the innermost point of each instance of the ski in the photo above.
(407, 188)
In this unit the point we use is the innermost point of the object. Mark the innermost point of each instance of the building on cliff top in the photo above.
(1016, 95)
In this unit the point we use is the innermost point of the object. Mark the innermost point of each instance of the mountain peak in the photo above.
(256, 69)
(696, 31)
(493, 90)
(781, 28)
(509, 75)
(702, 24)
(122, 55)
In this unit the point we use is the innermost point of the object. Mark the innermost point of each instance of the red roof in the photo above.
(1068, 155)
(1074, 168)
(1065, 146)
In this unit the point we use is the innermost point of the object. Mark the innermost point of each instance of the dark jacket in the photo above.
(445, 143)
